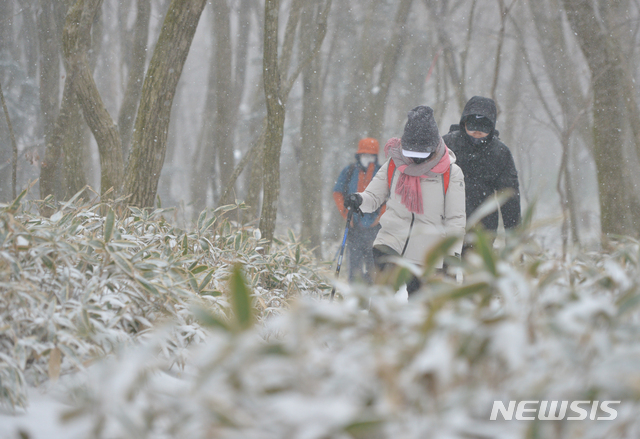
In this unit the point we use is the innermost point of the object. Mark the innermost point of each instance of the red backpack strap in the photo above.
(445, 179)
(445, 186)
(390, 171)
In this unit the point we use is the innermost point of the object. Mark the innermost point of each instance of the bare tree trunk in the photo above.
(126, 34)
(30, 41)
(69, 178)
(310, 152)
(572, 203)
(504, 14)
(6, 30)
(608, 78)
(272, 70)
(252, 157)
(166, 181)
(76, 43)
(238, 91)
(136, 74)
(562, 193)
(550, 34)
(9, 47)
(224, 95)
(283, 88)
(440, 20)
(276, 92)
(619, 16)
(254, 191)
(74, 151)
(50, 22)
(361, 81)
(55, 140)
(570, 99)
(275, 120)
(389, 62)
(569, 228)
(224, 122)
(14, 145)
(202, 162)
(204, 157)
(229, 86)
(152, 122)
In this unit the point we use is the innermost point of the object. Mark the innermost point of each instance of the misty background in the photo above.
(377, 59)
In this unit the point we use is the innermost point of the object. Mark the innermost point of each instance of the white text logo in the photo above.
(554, 410)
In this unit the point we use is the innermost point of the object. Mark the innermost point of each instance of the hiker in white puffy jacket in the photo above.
(423, 190)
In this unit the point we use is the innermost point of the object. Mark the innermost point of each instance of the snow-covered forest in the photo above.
(168, 234)
(375, 61)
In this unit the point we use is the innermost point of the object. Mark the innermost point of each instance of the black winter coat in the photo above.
(487, 169)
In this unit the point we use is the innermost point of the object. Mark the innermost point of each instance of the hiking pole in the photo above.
(344, 242)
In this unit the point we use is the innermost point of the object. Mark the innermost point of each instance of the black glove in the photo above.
(353, 202)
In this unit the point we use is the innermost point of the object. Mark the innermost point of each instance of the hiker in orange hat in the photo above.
(364, 228)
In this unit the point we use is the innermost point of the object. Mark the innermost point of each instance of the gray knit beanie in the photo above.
(421, 137)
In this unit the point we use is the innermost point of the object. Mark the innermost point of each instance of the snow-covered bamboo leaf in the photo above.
(466, 290)
(201, 220)
(212, 293)
(207, 319)
(15, 205)
(483, 247)
(207, 225)
(185, 245)
(122, 263)
(205, 281)
(439, 251)
(120, 244)
(198, 269)
(241, 299)
(193, 282)
(204, 244)
(108, 225)
(147, 285)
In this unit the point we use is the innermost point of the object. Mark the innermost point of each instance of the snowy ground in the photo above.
(41, 420)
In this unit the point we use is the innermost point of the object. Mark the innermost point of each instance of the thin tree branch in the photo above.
(534, 80)
(504, 13)
(322, 31)
(284, 94)
(14, 146)
(244, 161)
(289, 39)
(467, 45)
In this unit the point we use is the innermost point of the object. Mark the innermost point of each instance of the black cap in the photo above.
(421, 137)
(477, 122)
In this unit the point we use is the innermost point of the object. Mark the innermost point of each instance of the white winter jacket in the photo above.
(413, 235)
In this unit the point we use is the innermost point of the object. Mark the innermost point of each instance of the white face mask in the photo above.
(367, 159)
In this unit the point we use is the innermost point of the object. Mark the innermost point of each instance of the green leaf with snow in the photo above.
(241, 299)
(108, 225)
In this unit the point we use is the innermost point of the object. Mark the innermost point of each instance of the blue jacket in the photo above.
(355, 174)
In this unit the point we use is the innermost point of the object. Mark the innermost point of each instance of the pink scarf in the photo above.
(408, 186)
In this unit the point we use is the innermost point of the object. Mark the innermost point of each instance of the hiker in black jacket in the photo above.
(486, 162)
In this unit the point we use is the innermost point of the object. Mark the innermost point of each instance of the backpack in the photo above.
(345, 185)
(392, 169)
